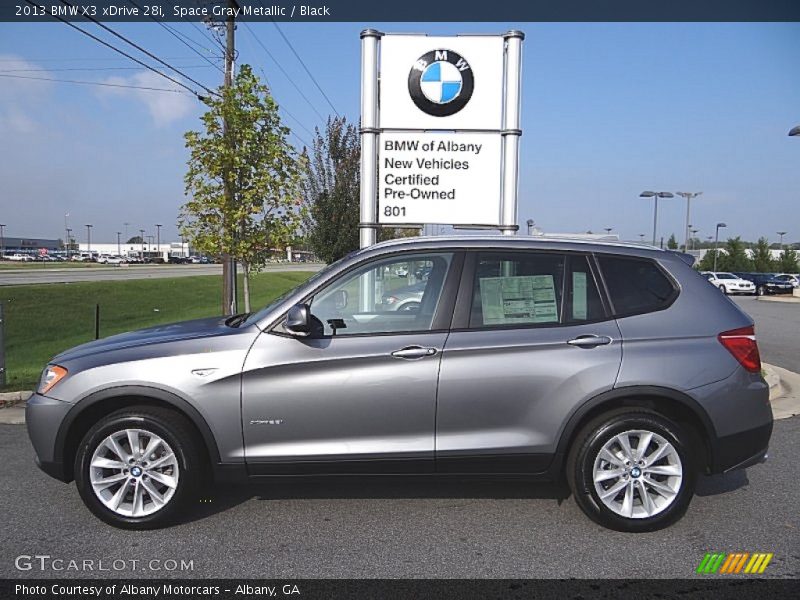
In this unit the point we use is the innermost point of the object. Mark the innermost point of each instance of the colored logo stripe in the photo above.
(720, 562)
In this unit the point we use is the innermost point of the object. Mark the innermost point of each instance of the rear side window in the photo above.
(636, 285)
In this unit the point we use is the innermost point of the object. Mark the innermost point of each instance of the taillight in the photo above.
(742, 344)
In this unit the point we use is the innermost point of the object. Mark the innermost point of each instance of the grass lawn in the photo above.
(43, 320)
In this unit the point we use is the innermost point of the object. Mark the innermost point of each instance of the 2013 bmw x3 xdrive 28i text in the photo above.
(615, 366)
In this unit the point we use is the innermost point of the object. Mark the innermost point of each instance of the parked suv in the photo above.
(614, 366)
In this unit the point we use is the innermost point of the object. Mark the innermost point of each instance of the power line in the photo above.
(319, 87)
(289, 77)
(142, 50)
(88, 69)
(115, 49)
(104, 84)
(181, 40)
(285, 110)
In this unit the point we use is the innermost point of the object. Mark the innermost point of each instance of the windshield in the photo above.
(726, 276)
(256, 317)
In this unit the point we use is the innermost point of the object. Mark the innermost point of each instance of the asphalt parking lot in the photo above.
(404, 528)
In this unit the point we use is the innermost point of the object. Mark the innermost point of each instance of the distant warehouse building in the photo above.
(29, 245)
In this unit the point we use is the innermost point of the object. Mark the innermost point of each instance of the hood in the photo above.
(171, 332)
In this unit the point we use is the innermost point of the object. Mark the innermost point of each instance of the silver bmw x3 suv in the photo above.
(615, 367)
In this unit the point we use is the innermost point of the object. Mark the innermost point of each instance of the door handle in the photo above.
(412, 352)
(589, 341)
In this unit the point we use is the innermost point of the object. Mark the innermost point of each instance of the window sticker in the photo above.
(523, 299)
(578, 295)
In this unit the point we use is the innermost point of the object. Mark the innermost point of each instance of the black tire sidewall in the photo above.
(583, 476)
(181, 445)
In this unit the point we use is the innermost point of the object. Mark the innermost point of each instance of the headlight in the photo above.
(51, 376)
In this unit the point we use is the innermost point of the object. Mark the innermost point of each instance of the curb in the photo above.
(788, 299)
(785, 396)
(11, 399)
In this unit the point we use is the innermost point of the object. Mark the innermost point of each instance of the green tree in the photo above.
(762, 258)
(735, 256)
(787, 261)
(707, 262)
(672, 243)
(137, 239)
(331, 189)
(260, 168)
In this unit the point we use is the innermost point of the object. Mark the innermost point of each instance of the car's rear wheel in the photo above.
(632, 471)
(136, 467)
(760, 290)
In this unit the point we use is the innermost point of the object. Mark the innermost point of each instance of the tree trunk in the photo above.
(246, 286)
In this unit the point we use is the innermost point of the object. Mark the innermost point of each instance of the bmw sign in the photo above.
(441, 82)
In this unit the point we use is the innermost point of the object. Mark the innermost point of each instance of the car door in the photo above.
(531, 340)
(359, 393)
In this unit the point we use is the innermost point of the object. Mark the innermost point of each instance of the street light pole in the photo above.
(688, 196)
(716, 244)
(782, 233)
(641, 238)
(119, 245)
(530, 223)
(69, 242)
(694, 233)
(608, 230)
(158, 240)
(2, 240)
(656, 196)
(141, 239)
(89, 240)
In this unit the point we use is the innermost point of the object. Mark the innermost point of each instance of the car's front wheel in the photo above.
(632, 471)
(760, 290)
(136, 467)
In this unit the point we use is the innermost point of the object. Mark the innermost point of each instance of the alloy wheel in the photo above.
(134, 472)
(637, 474)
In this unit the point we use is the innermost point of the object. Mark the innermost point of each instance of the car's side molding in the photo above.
(146, 393)
(635, 394)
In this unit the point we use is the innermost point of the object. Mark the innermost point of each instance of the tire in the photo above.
(760, 290)
(156, 490)
(663, 505)
(723, 289)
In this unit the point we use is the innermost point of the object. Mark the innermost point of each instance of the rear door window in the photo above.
(636, 285)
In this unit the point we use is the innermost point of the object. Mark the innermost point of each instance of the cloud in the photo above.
(164, 106)
(19, 96)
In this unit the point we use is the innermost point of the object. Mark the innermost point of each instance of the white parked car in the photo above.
(728, 283)
(114, 260)
(19, 257)
(788, 277)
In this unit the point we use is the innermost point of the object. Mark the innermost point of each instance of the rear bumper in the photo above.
(742, 450)
(43, 418)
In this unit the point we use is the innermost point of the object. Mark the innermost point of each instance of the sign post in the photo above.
(440, 128)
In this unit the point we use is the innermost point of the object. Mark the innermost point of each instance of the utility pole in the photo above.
(228, 262)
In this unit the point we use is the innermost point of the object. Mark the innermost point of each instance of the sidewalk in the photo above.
(784, 394)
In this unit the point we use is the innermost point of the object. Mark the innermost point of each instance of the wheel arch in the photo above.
(95, 406)
(667, 402)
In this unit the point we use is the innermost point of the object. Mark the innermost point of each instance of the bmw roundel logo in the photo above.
(441, 83)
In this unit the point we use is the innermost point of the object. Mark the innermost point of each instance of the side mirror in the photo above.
(298, 320)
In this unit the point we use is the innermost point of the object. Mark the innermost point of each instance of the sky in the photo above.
(609, 110)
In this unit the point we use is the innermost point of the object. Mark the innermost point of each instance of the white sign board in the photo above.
(443, 83)
(442, 178)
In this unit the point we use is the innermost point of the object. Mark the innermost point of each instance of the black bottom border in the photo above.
(733, 587)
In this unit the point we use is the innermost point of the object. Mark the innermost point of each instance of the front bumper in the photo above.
(43, 417)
